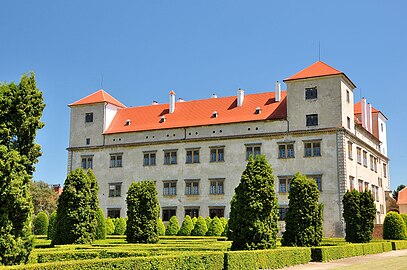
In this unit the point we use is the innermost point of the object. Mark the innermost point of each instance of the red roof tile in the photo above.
(402, 197)
(358, 108)
(317, 69)
(98, 97)
(200, 113)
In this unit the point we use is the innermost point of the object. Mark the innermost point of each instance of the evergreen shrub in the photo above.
(200, 227)
(119, 226)
(109, 226)
(172, 226)
(51, 225)
(160, 227)
(215, 228)
(394, 227)
(41, 224)
(186, 227)
(101, 230)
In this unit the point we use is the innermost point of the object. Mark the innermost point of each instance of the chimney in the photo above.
(364, 111)
(369, 117)
(172, 101)
(154, 102)
(240, 97)
(214, 96)
(181, 100)
(278, 91)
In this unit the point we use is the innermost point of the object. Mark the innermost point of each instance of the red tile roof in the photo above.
(402, 197)
(98, 97)
(200, 113)
(358, 108)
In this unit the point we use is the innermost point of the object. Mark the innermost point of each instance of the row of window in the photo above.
(215, 211)
(217, 154)
(312, 93)
(361, 157)
(363, 185)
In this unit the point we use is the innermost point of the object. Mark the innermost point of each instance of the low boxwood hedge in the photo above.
(267, 259)
(396, 245)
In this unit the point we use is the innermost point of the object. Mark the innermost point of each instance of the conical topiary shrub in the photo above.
(160, 227)
(109, 226)
(119, 226)
(101, 225)
(51, 225)
(187, 226)
(173, 226)
(216, 228)
(200, 227)
(41, 224)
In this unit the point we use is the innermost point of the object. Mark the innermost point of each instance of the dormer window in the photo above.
(128, 122)
(89, 117)
(258, 110)
(214, 114)
(162, 120)
(311, 93)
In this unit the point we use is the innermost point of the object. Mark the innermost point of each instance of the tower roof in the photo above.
(98, 97)
(318, 69)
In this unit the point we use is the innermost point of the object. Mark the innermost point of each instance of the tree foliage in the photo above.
(303, 221)
(394, 227)
(200, 227)
(41, 224)
(160, 227)
(109, 226)
(100, 225)
(215, 228)
(120, 226)
(143, 212)
(404, 217)
(77, 206)
(51, 225)
(44, 197)
(172, 226)
(21, 108)
(359, 212)
(254, 214)
(396, 191)
(186, 227)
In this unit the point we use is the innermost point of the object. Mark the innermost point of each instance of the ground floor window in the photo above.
(216, 212)
(192, 212)
(113, 212)
(282, 212)
(168, 213)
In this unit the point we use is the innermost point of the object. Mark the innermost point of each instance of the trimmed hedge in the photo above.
(397, 245)
(267, 259)
(213, 260)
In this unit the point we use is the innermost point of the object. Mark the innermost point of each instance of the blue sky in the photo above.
(144, 49)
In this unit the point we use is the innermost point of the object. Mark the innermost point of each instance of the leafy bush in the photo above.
(208, 221)
(267, 259)
(101, 225)
(173, 226)
(109, 226)
(225, 230)
(41, 224)
(119, 226)
(186, 227)
(400, 244)
(404, 216)
(194, 219)
(51, 225)
(394, 227)
(143, 212)
(254, 215)
(216, 227)
(200, 227)
(359, 212)
(303, 222)
(160, 227)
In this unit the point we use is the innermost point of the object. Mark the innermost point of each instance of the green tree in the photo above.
(76, 213)
(109, 226)
(186, 227)
(394, 227)
(200, 227)
(404, 217)
(143, 213)
(173, 226)
(160, 227)
(215, 228)
(101, 230)
(303, 222)
(359, 212)
(21, 108)
(44, 197)
(254, 215)
(51, 225)
(41, 224)
(119, 226)
(396, 191)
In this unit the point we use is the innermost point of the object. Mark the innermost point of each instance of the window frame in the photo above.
(286, 151)
(218, 182)
(89, 117)
(216, 154)
(351, 182)
(191, 209)
(314, 152)
(87, 160)
(192, 191)
(364, 158)
(350, 150)
(151, 159)
(252, 147)
(195, 152)
(311, 120)
(318, 180)
(169, 209)
(220, 209)
(171, 189)
(115, 161)
(114, 193)
(311, 93)
(110, 210)
(284, 181)
(359, 155)
(170, 160)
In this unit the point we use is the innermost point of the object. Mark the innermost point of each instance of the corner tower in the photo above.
(320, 96)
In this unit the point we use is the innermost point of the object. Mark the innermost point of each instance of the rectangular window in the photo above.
(170, 157)
(113, 212)
(87, 162)
(365, 159)
(170, 188)
(348, 122)
(286, 150)
(384, 170)
(216, 186)
(372, 162)
(87, 141)
(359, 154)
(381, 209)
(216, 212)
(192, 212)
(192, 156)
(360, 185)
(312, 149)
(311, 93)
(347, 96)
(318, 180)
(116, 160)
(282, 212)
(375, 164)
(380, 182)
(350, 150)
(217, 154)
(366, 186)
(168, 213)
(284, 184)
(312, 120)
(252, 150)
(191, 187)
(89, 117)
(115, 189)
(351, 183)
(149, 159)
